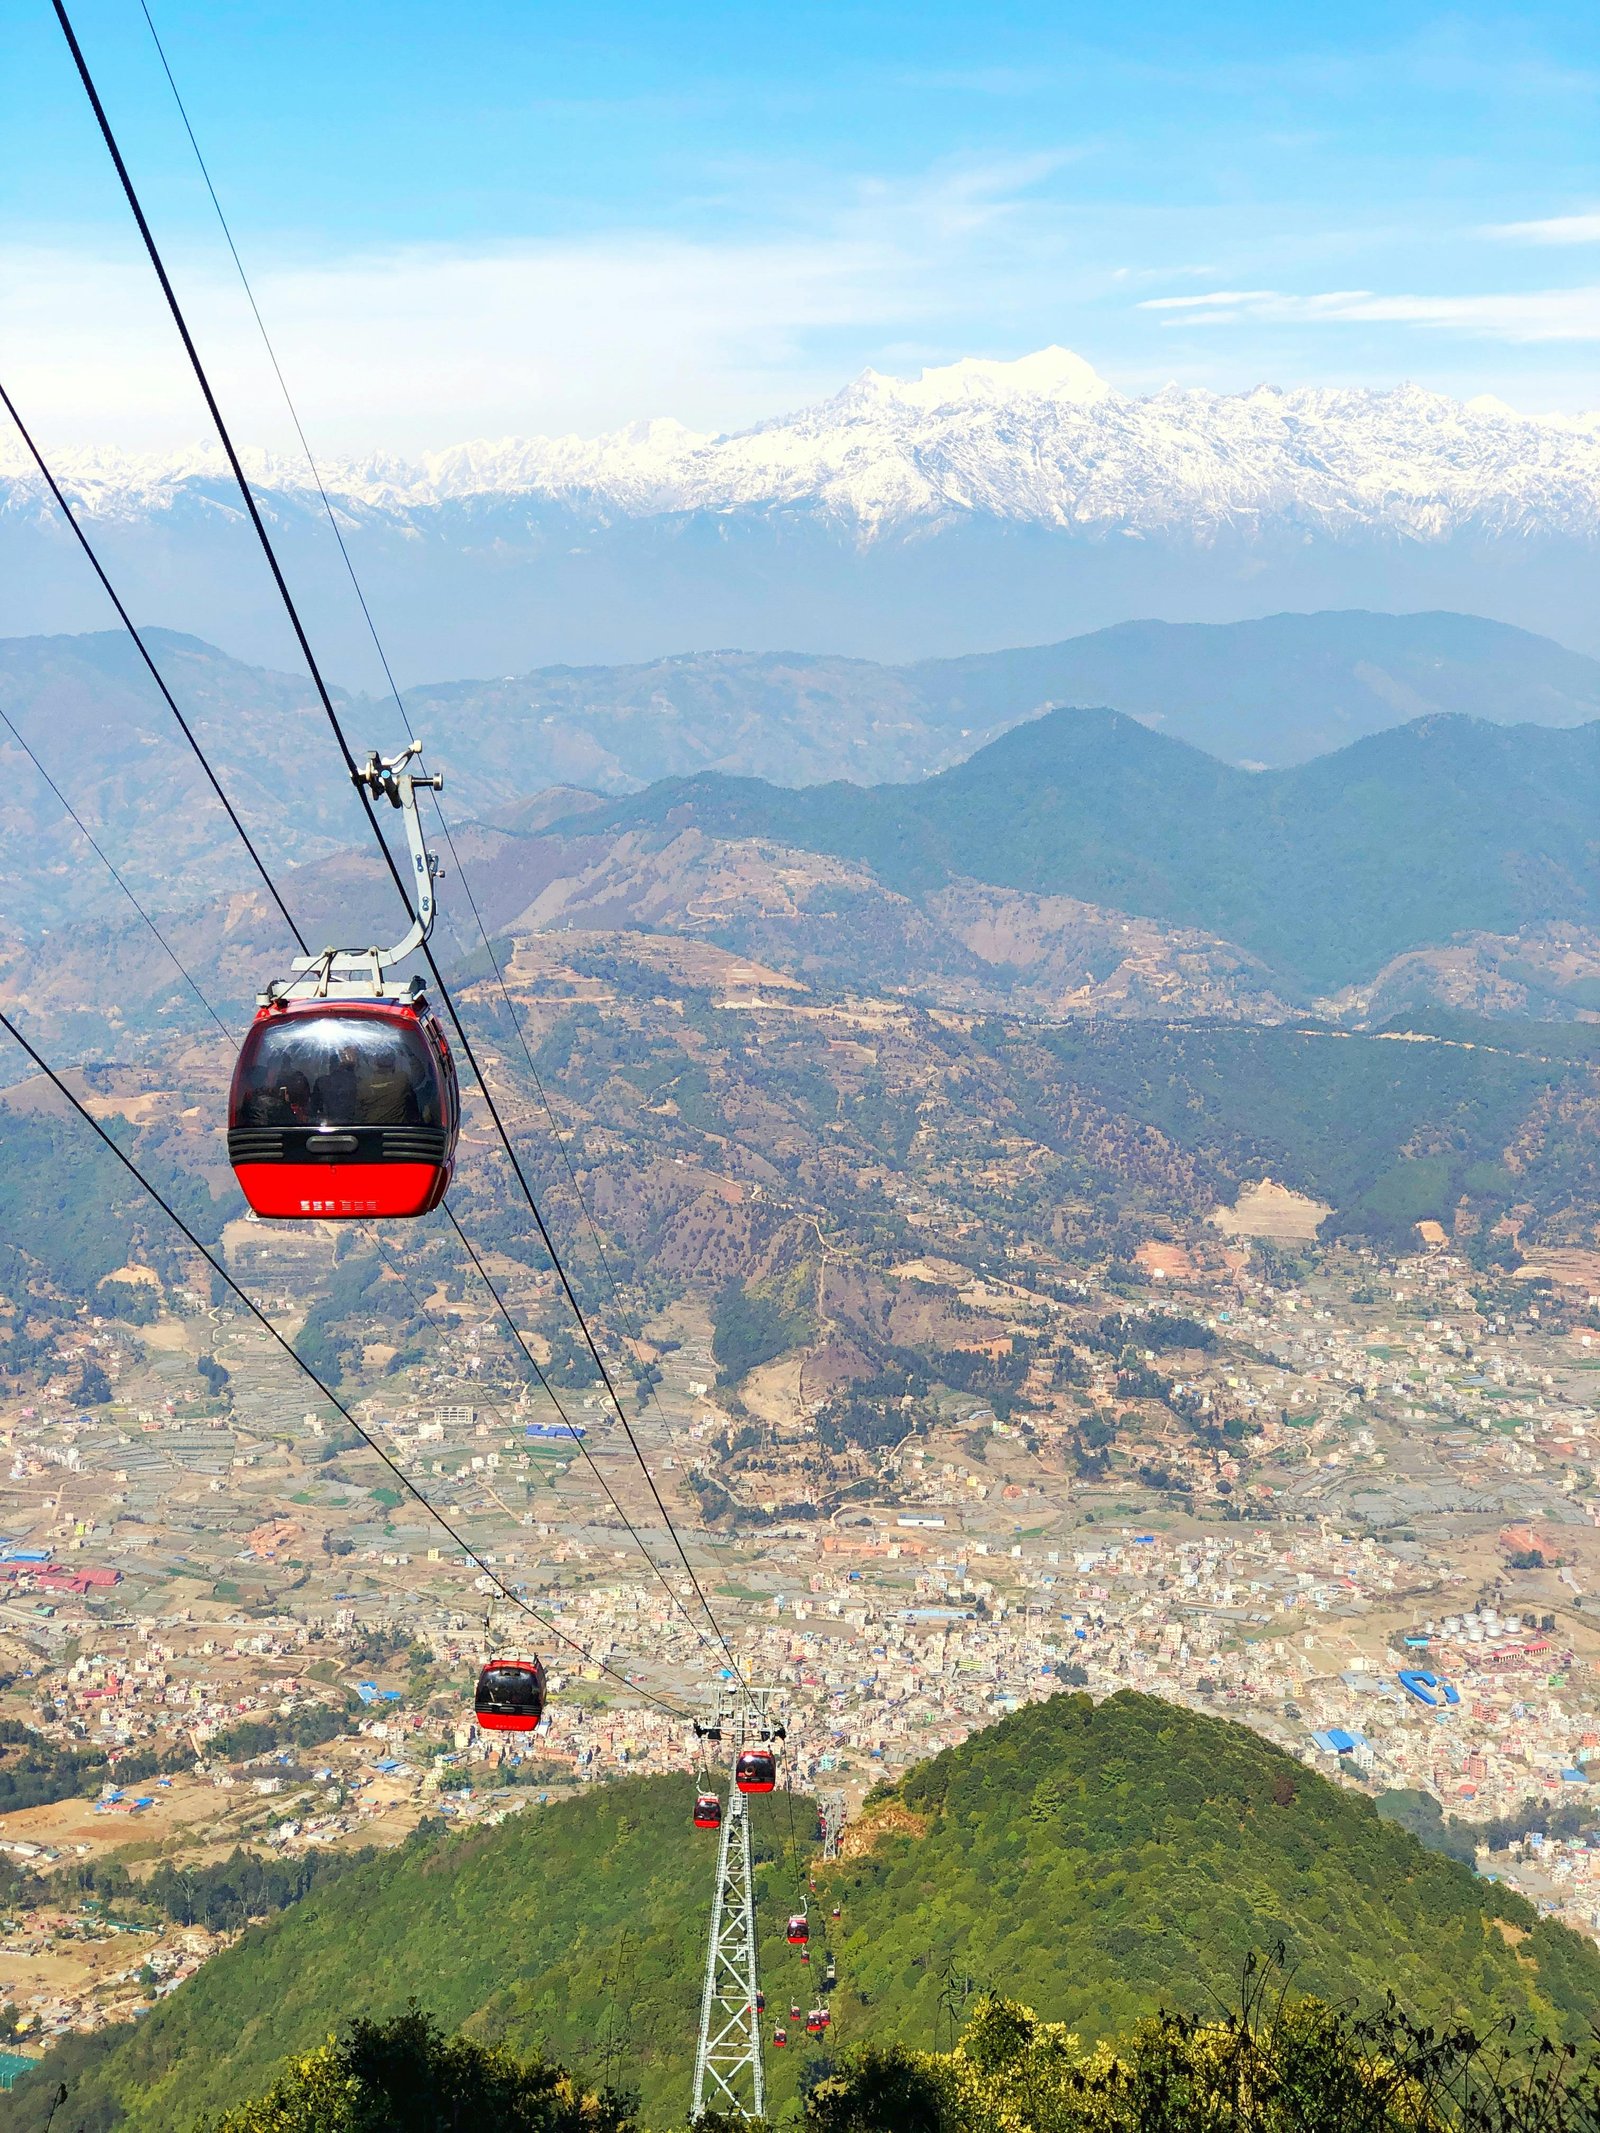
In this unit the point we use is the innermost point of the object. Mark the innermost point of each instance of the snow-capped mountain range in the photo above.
(1043, 441)
(979, 505)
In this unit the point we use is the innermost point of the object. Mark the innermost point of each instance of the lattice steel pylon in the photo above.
(728, 2071)
(830, 1822)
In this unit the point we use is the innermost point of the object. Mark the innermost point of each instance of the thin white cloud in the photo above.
(955, 199)
(1149, 274)
(1557, 229)
(1216, 296)
(1522, 315)
(1518, 316)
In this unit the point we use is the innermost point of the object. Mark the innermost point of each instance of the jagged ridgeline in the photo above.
(1098, 1861)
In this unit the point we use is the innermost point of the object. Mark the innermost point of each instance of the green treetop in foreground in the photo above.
(1099, 1862)
(406, 2076)
(1276, 2065)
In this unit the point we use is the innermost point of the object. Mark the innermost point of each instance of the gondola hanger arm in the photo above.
(364, 969)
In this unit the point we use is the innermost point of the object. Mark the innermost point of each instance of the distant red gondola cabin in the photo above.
(707, 1811)
(799, 1930)
(756, 1770)
(344, 1109)
(510, 1695)
(780, 2038)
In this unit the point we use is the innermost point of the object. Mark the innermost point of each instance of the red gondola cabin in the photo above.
(756, 1770)
(343, 1109)
(799, 1930)
(707, 1811)
(780, 2038)
(814, 2023)
(510, 1695)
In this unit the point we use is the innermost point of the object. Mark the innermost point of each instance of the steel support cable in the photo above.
(794, 1846)
(537, 1368)
(222, 1026)
(630, 1324)
(158, 265)
(154, 671)
(272, 358)
(549, 1391)
(629, 1331)
(189, 980)
(106, 862)
(325, 698)
(577, 1311)
(183, 973)
(439, 1518)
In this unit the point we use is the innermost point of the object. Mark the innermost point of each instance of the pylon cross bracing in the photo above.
(728, 2071)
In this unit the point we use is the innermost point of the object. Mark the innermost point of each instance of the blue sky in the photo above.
(518, 218)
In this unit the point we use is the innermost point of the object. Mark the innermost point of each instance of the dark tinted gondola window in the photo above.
(509, 1688)
(327, 1070)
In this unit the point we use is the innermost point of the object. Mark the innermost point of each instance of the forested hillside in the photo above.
(1098, 1861)
(1324, 871)
(1101, 1860)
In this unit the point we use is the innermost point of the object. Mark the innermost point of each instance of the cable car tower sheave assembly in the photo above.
(728, 2071)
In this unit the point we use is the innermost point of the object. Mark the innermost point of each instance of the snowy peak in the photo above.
(1042, 440)
(1050, 374)
(511, 464)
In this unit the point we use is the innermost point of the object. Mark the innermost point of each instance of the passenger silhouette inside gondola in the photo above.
(387, 1094)
(334, 1094)
(285, 1102)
